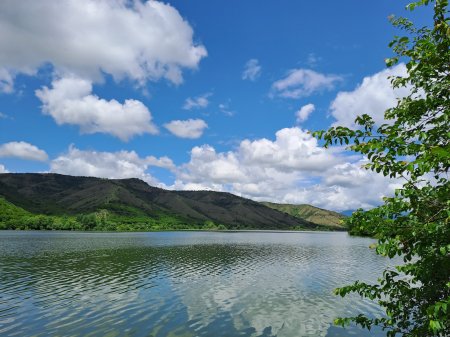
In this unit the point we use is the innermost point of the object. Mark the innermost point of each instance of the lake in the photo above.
(255, 284)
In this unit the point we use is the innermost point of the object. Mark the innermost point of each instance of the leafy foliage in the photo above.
(413, 146)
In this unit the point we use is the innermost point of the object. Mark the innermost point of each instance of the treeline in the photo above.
(13, 217)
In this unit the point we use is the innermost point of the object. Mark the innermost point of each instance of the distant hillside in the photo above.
(132, 204)
(312, 214)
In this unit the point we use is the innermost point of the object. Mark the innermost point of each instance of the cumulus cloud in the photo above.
(293, 149)
(293, 168)
(207, 167)
(113, 165)
(138, 40)
(3, 169)
(191, 128)
(22, 150)
(252, 70)
(303, 82)
(197, 102)
(373, 97)
(345, 186)
(257, 163)
(70, 101)
(303, 113)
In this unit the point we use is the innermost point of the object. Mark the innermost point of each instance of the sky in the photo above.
(199, 95)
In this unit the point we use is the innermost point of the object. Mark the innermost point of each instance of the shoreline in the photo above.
(181, 230)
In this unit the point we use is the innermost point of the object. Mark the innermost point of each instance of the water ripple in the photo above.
(180, 284)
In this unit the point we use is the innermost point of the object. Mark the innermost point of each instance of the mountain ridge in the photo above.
(134, 201)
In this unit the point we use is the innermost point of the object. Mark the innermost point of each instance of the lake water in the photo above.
(181, 283)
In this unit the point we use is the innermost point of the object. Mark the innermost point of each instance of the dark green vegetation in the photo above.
(53, 201)
(313, 214)
(415, 147)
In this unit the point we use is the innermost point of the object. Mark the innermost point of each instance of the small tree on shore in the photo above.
(414, 223)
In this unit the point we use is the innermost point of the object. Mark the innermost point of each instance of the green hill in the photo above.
(54, 201)
(312, 214)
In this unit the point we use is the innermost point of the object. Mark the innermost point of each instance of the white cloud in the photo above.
(138, 40)
(191, 128)
(312, 59)
(22, 150)
(346, 186)
(259, 166)
(303, 82)
(208, 168)
(6, 81)
(3, 169)
(373, 97)
(225, 109)
(293, 168)
(304, 112)
(252, 70)
(3, 116)
(70, 101)
(197, 102)
(113, 165)
(293, 149)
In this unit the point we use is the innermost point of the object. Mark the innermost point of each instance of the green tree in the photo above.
(413, 146)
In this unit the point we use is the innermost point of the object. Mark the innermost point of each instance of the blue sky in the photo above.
(197, 94)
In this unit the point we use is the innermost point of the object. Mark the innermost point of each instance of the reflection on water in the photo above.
(180, 283)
